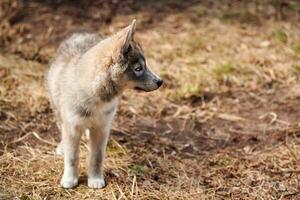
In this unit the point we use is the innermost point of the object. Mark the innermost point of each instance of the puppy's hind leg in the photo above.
(70, 140)
(60, 149)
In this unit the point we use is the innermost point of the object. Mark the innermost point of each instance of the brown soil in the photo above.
(237, 143)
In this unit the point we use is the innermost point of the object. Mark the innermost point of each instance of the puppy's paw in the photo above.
(69, 182)
(60, 149)
(96, 183)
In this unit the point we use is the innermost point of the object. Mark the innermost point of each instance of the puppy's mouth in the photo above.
(140, 89)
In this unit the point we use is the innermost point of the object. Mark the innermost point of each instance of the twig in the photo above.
(132, 187)
(21, 138)
(43, 140)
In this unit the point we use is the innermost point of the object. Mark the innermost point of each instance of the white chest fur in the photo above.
(99, 114)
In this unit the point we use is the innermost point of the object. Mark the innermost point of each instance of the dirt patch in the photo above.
(224, 126)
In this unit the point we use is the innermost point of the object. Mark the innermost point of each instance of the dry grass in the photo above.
(224, 126)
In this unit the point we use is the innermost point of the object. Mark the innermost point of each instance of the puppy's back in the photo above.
(78, 43)
(62, 66)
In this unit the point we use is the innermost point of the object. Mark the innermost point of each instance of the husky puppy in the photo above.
(85, 81)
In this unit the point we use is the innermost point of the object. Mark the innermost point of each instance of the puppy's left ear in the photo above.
(125, 37)
(129, 37)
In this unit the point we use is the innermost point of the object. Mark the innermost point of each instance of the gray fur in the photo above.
(78, 43)
(83, 111)
(109, 90)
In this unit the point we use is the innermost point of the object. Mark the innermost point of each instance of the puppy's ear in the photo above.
(125, 36)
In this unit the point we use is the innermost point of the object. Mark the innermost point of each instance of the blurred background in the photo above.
(225, 125)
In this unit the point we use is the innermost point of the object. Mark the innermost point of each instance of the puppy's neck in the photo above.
(105, 88)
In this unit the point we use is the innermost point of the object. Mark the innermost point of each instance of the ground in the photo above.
(225, 125)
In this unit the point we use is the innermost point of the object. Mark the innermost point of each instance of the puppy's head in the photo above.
(130, 65)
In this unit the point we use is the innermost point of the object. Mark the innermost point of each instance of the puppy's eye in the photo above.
(138, 69)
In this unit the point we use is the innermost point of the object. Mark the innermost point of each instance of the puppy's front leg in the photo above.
(70, 140)
(98, 142)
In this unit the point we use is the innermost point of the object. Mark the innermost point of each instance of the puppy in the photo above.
(85, 81)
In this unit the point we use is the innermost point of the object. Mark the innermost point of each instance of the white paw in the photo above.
(60, 149)
(96, 183)
(69, 182)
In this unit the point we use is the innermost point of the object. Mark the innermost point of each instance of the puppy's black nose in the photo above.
(159, 82)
